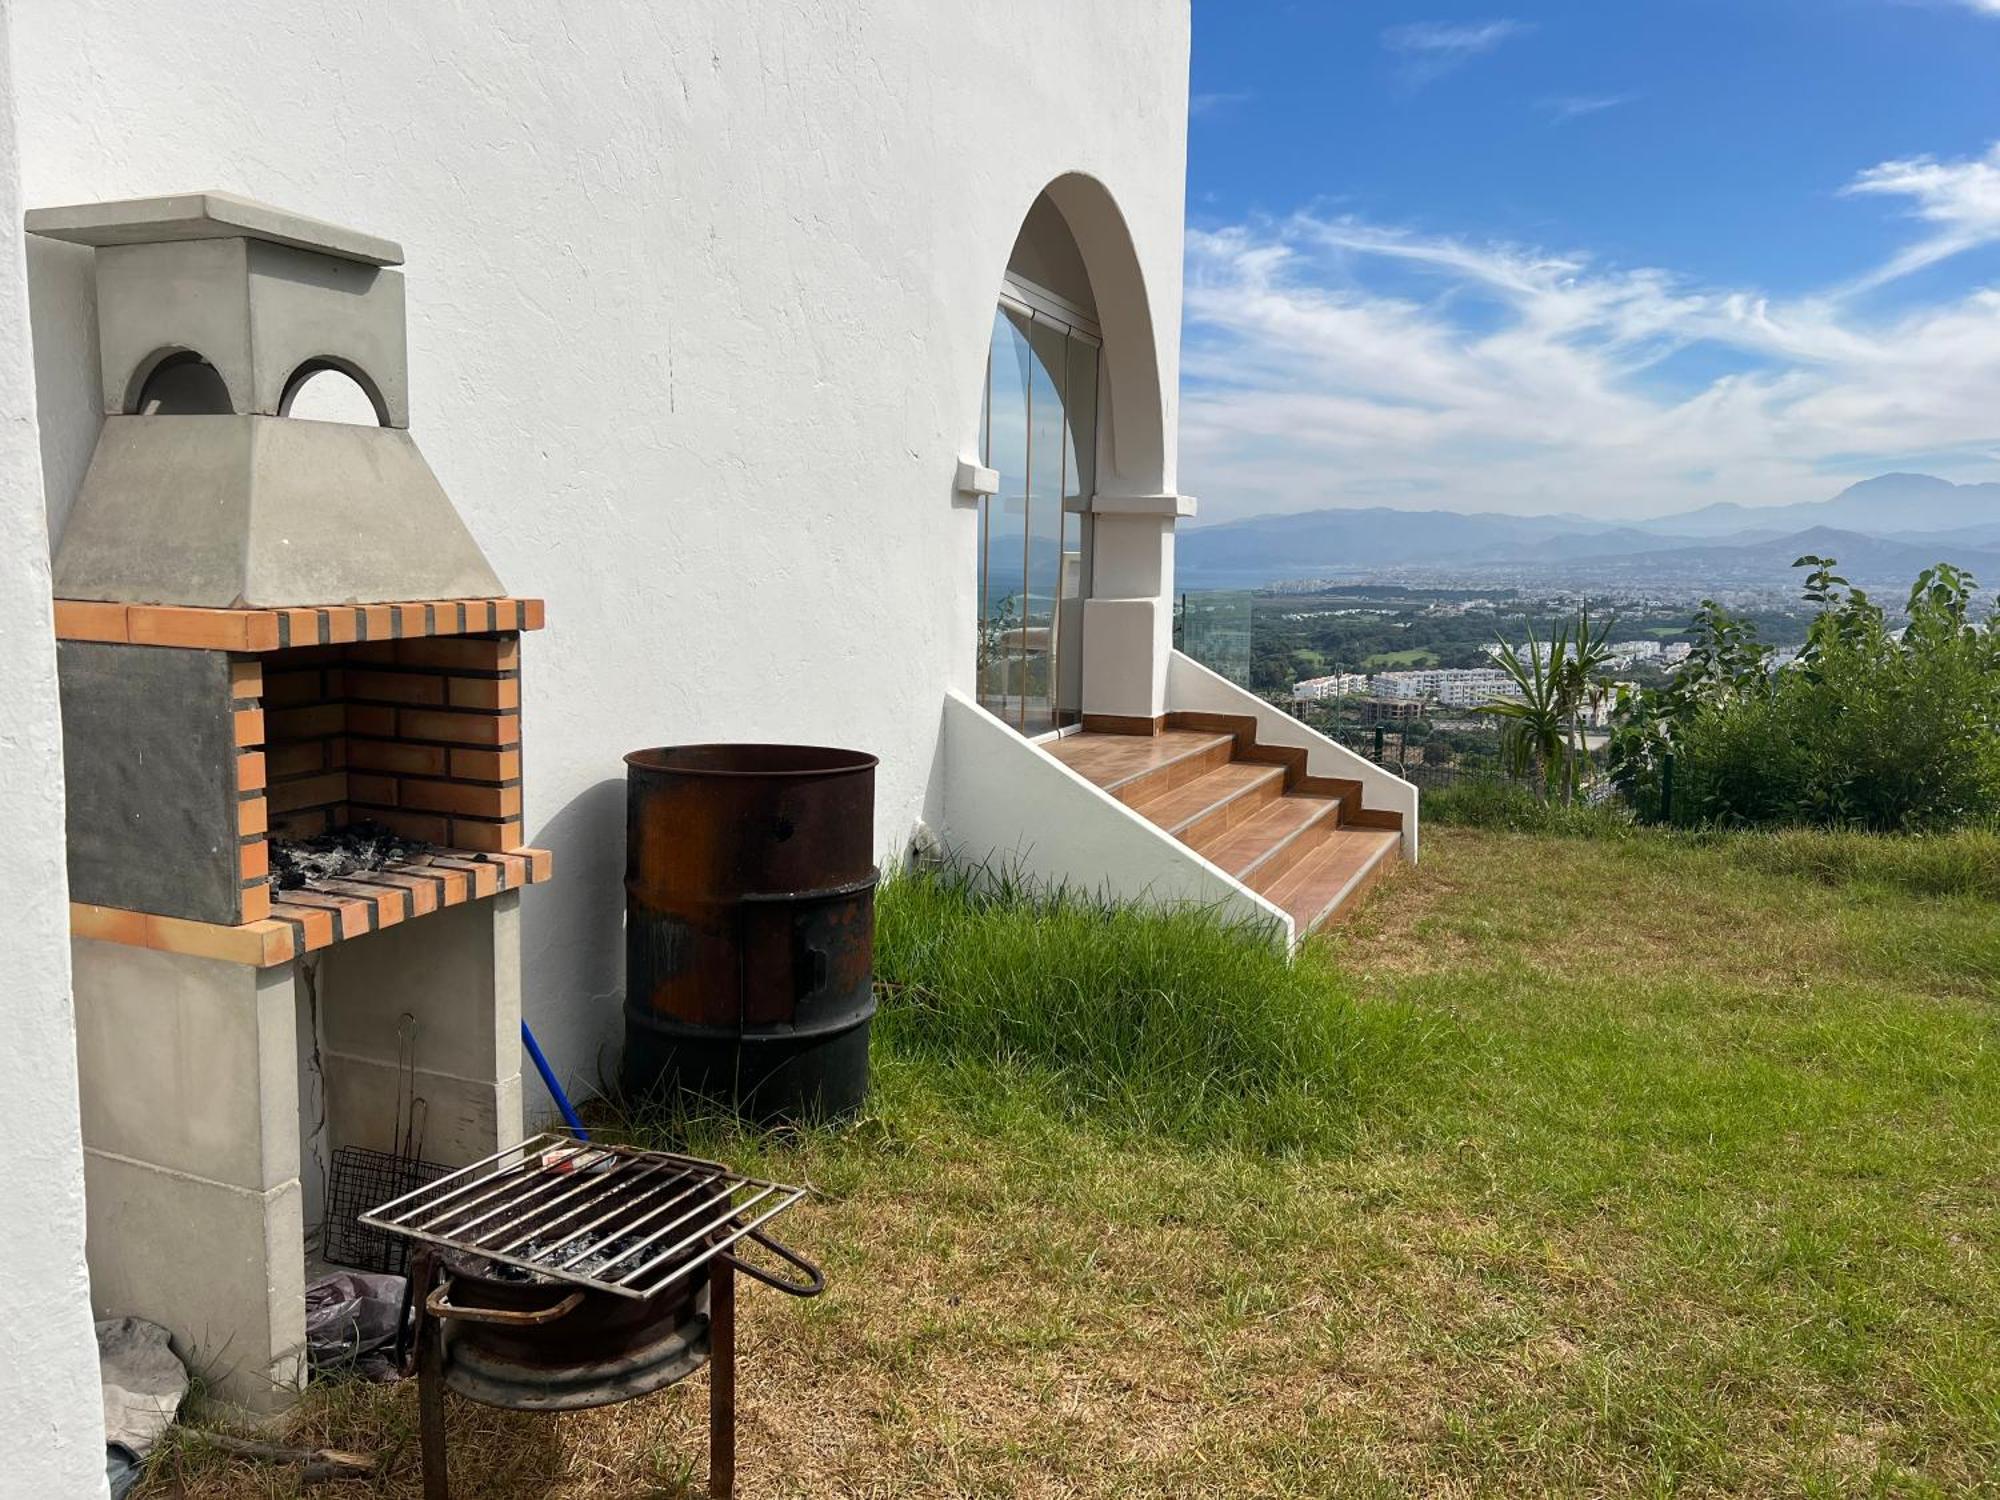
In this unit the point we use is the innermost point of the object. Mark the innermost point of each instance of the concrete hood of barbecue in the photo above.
(227, 511)
(213, 312)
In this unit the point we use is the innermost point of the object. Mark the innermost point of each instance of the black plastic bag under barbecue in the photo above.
(351, 1319)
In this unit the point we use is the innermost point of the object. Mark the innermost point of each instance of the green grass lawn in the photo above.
(1416, 656)
(1623, 1165)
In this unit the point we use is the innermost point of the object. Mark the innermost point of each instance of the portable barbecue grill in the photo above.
(561, 1274)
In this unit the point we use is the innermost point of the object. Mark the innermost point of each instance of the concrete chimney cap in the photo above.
(206, 216)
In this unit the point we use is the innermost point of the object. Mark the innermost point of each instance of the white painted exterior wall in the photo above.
(51, 1413)
(699, 302)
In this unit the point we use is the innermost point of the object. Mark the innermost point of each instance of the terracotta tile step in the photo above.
(283, 629)
(1211, 801)
(1260, 848)
(1333, 875)
(316, 917)
(1126, 765)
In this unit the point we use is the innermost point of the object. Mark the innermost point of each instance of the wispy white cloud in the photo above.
(1575, 106)
(1960, 199)
(1984, 7)
(1212, 103)
(1332, 361)
(1431, 49)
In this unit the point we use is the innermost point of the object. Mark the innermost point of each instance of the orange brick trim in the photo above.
(253, 817)
(246, 677)
(257, 630)
(261, 943)
(303, 921)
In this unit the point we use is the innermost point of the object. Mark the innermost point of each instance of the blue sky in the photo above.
(1620, 257)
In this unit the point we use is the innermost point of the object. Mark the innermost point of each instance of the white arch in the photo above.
(1132, 417)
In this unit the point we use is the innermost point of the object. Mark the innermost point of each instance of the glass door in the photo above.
(1039, 434)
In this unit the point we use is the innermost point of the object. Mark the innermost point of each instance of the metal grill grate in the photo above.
(611, 1217)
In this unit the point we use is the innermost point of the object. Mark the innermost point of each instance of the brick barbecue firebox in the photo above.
(272, 629)
(411, 721)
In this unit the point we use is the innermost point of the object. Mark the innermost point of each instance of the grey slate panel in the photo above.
(149, 757)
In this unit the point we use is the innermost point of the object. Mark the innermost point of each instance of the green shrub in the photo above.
(1172, 1023)
(1870, 728)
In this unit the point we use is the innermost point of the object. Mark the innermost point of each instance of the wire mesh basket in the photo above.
(359, 1180)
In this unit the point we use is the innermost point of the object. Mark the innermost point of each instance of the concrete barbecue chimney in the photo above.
(213, 311)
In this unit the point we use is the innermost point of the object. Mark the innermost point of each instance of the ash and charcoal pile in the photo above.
(354, 850)
(605, 1249)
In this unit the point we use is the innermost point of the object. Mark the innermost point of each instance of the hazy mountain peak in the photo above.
(1889, 525)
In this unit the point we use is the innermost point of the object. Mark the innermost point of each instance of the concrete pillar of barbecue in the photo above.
(457, 973)
(187, 1073)
(194, 1152)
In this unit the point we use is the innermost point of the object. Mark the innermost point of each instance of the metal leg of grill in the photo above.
(430, 1407)
(721, 1380)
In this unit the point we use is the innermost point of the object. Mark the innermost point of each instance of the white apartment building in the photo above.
(1337, 685)
(1453, 687)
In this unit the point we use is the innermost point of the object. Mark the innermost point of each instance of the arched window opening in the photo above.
(1038, 431)
(183, 385)
(320, 391)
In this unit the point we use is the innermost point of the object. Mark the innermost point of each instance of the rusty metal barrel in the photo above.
(750, 927)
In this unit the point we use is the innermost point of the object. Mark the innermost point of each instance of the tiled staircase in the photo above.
(1305, 843)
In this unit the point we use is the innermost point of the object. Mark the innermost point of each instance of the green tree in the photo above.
(1870, 727)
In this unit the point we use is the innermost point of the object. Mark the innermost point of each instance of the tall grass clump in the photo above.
(1961, 863)
(1492, 802)
(1172, 1023)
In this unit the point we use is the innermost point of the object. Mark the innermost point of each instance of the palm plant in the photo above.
(1539, 732)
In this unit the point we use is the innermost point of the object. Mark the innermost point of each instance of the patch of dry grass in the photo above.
(1690, 1190)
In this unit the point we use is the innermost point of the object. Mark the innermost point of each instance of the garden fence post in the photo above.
(1667, 787)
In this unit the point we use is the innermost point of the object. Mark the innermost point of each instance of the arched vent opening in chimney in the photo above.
(321, 391)
(184, 385)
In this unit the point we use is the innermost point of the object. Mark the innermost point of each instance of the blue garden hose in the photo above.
(555, 1089)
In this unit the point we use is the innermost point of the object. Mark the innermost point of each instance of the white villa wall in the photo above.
(51, 1416)
(699, 302)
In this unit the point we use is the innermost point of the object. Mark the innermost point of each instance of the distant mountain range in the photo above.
(1883, 530)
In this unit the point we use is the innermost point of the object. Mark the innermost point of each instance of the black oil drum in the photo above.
(750, 927)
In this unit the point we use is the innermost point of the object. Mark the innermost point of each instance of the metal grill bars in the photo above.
(552, 1204)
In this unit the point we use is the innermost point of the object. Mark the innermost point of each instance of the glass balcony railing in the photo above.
(1213, 627)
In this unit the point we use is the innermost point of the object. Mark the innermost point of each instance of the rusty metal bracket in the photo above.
(439, 1305)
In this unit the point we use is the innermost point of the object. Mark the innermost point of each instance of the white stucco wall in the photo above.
(699, 301)
(51, 1419)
